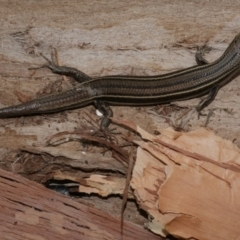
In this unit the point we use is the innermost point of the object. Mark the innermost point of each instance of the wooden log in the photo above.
(30, 211)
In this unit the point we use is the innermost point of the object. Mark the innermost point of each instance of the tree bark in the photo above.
(30, 211)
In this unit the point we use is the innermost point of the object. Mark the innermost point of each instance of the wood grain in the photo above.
(30, 211)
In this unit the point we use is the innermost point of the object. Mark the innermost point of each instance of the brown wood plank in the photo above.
(30, 211)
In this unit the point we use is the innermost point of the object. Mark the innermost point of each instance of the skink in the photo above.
(192, 82)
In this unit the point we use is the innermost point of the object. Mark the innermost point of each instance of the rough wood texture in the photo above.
(189, 183)
(30, 211)
(115, 37)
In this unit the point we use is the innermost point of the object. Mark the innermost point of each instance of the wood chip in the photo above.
(188, 183)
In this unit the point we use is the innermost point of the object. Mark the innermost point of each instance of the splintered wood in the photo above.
(189, 183)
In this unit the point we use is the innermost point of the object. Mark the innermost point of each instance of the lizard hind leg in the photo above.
(199, 55)
(76, 74)
(106, 111)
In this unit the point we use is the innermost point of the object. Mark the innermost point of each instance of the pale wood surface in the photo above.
(102, 38)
